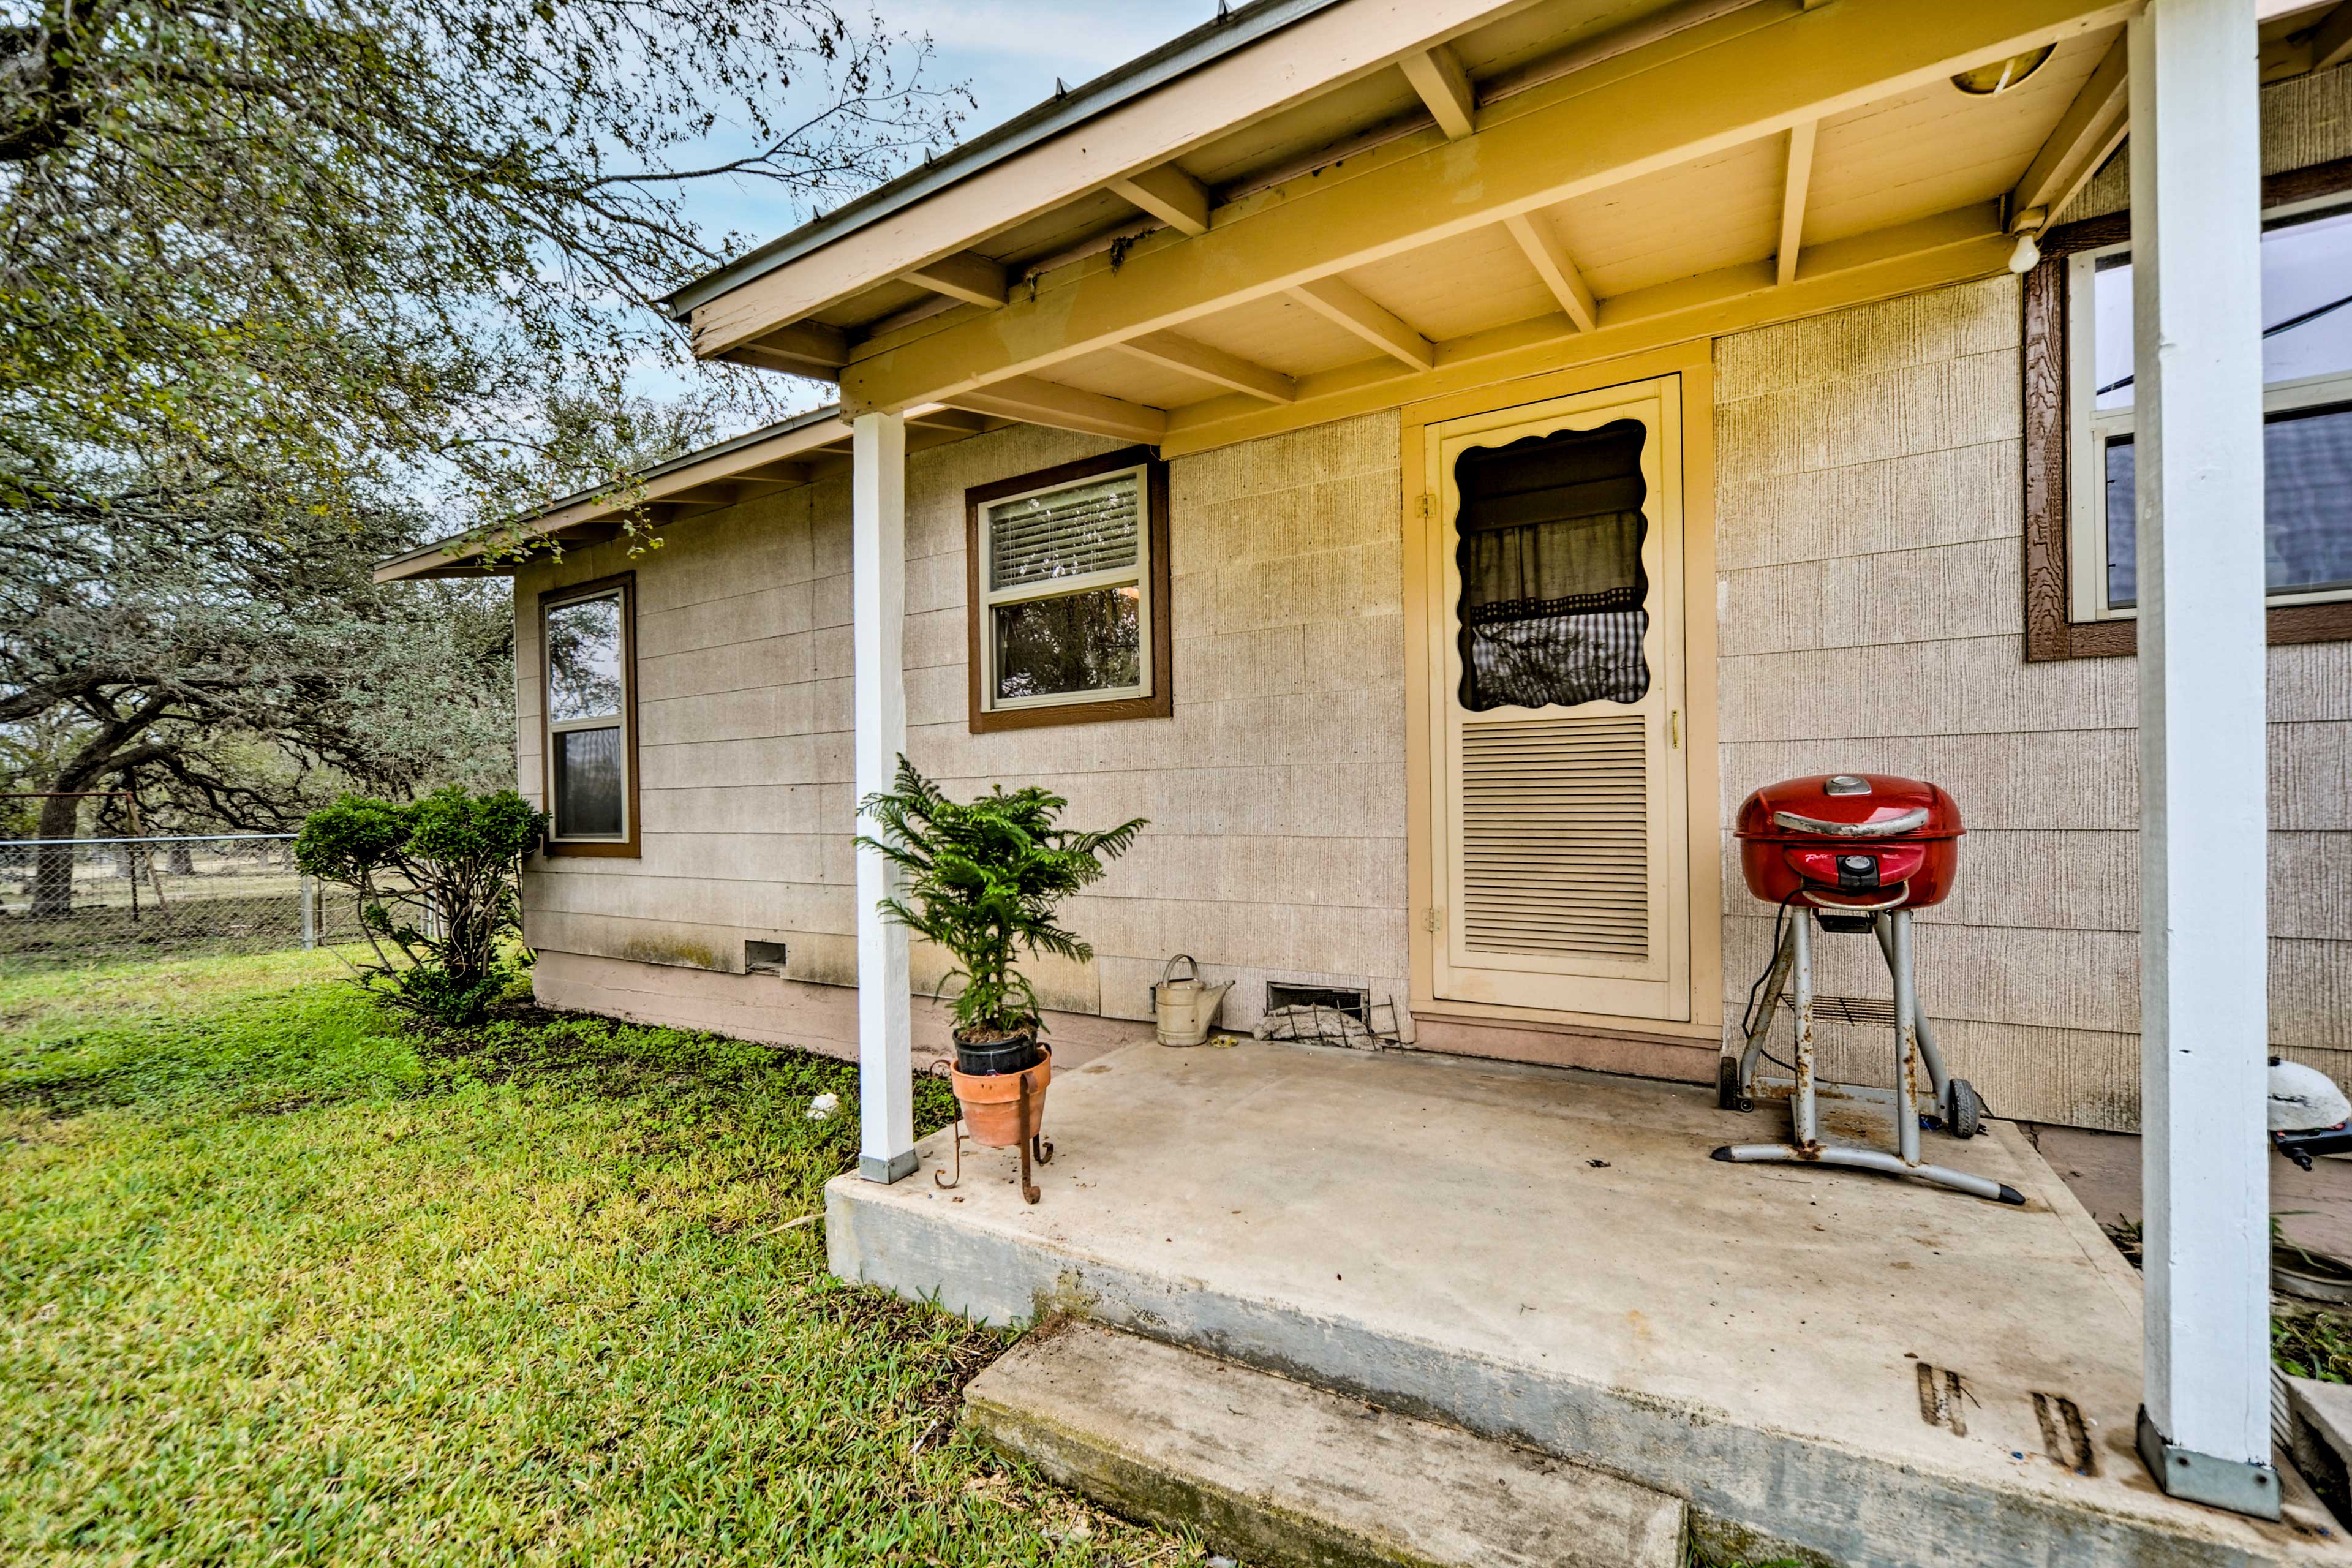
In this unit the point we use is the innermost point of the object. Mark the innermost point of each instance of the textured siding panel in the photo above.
(1277, 792)
(1869, 513)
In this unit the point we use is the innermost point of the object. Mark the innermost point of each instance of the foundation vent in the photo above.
(1555, 836)
(1351, 1000)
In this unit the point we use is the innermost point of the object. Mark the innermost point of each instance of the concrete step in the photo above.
(1275, 1472)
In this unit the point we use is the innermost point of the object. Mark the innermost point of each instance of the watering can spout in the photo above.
(1184, 1007)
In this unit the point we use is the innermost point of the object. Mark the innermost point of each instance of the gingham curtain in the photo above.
(1550, 554)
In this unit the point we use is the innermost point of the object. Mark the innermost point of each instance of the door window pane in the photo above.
(584, 660)
(587, 782)
(1550, 531)
(1088, 641)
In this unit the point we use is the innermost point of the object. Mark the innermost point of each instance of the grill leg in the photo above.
(1775, 981)
(1937, 1079)
(1805, 1112)
(1805, 1147)
(1907, 1044)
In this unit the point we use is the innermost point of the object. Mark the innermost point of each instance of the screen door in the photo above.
(1562, 823)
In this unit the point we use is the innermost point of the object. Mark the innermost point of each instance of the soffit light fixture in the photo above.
(1987, 81)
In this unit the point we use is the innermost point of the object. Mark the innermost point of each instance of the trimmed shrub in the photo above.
(436, 879)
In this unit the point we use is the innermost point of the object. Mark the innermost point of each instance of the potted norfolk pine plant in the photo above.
(983, 881)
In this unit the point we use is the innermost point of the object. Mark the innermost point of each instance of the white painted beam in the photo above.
(2085, 136)
(878, 593)
(2332, 44)
(1169, 194)
(1550, 260)
(1212, 365)
(1437, 75)
(2196, 181)
(1342, 302)
(1036, 402)
(1794, 185)
(967, 276)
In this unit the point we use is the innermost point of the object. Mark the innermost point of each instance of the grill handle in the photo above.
(1915, 817)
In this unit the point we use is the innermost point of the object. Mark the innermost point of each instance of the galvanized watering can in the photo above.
(1185, 1008)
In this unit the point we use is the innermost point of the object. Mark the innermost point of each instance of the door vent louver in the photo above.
(1555, 836)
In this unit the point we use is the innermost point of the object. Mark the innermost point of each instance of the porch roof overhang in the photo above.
(780, 457)
(1315, 209)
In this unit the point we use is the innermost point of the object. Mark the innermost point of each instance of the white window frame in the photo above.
(2090, 429)
(624, 721)
(1138, 576)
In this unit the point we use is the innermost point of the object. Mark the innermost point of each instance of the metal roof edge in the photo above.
(1180, 55)
(442, 547)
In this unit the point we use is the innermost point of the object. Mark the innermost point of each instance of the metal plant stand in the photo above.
(1032, 1140)
(1914, 1047)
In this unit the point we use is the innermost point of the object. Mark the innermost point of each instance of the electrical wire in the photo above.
(1747, 1015)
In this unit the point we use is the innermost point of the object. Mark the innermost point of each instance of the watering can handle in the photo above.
(1184, 958)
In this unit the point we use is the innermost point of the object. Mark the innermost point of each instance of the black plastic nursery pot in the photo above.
(991, 1058)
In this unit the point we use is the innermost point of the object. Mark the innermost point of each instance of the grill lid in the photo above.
(1847, 806)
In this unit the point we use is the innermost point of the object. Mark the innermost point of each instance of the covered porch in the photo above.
(1827, 1361)
(1477, 195)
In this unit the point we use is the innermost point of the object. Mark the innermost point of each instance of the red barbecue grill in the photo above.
(1851, 853)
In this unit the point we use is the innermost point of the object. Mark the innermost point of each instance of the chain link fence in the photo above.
(71, 901)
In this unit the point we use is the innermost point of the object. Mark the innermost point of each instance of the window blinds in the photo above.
(1067, 532)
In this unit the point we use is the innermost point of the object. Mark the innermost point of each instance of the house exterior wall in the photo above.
(1869, 523)
(1276, 792)
(1868, 494)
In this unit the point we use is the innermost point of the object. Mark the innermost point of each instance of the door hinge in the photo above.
(1432, 920)
(1424, 504)
(1675, 729)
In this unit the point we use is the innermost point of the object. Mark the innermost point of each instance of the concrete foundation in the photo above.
(1856, 1366)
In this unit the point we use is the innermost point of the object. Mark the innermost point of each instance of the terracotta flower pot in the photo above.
(1004, 1110)
(1000, 1109)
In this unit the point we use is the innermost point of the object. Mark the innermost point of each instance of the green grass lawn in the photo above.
(284, 1283)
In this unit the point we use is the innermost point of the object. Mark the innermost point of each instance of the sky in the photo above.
(1009, 52)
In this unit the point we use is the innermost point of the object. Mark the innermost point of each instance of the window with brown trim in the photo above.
(1067, 583)
(588, 716)
(2081, 587)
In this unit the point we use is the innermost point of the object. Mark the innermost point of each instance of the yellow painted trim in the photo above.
(1803, 66)
(1694, 363)
(1683, 311)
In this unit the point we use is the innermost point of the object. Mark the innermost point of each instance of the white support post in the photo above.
(877, 563)
(2204, 1428)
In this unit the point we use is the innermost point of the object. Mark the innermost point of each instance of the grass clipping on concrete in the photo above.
(283, 1281)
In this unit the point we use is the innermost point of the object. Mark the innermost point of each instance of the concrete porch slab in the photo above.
(1862, 1367)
